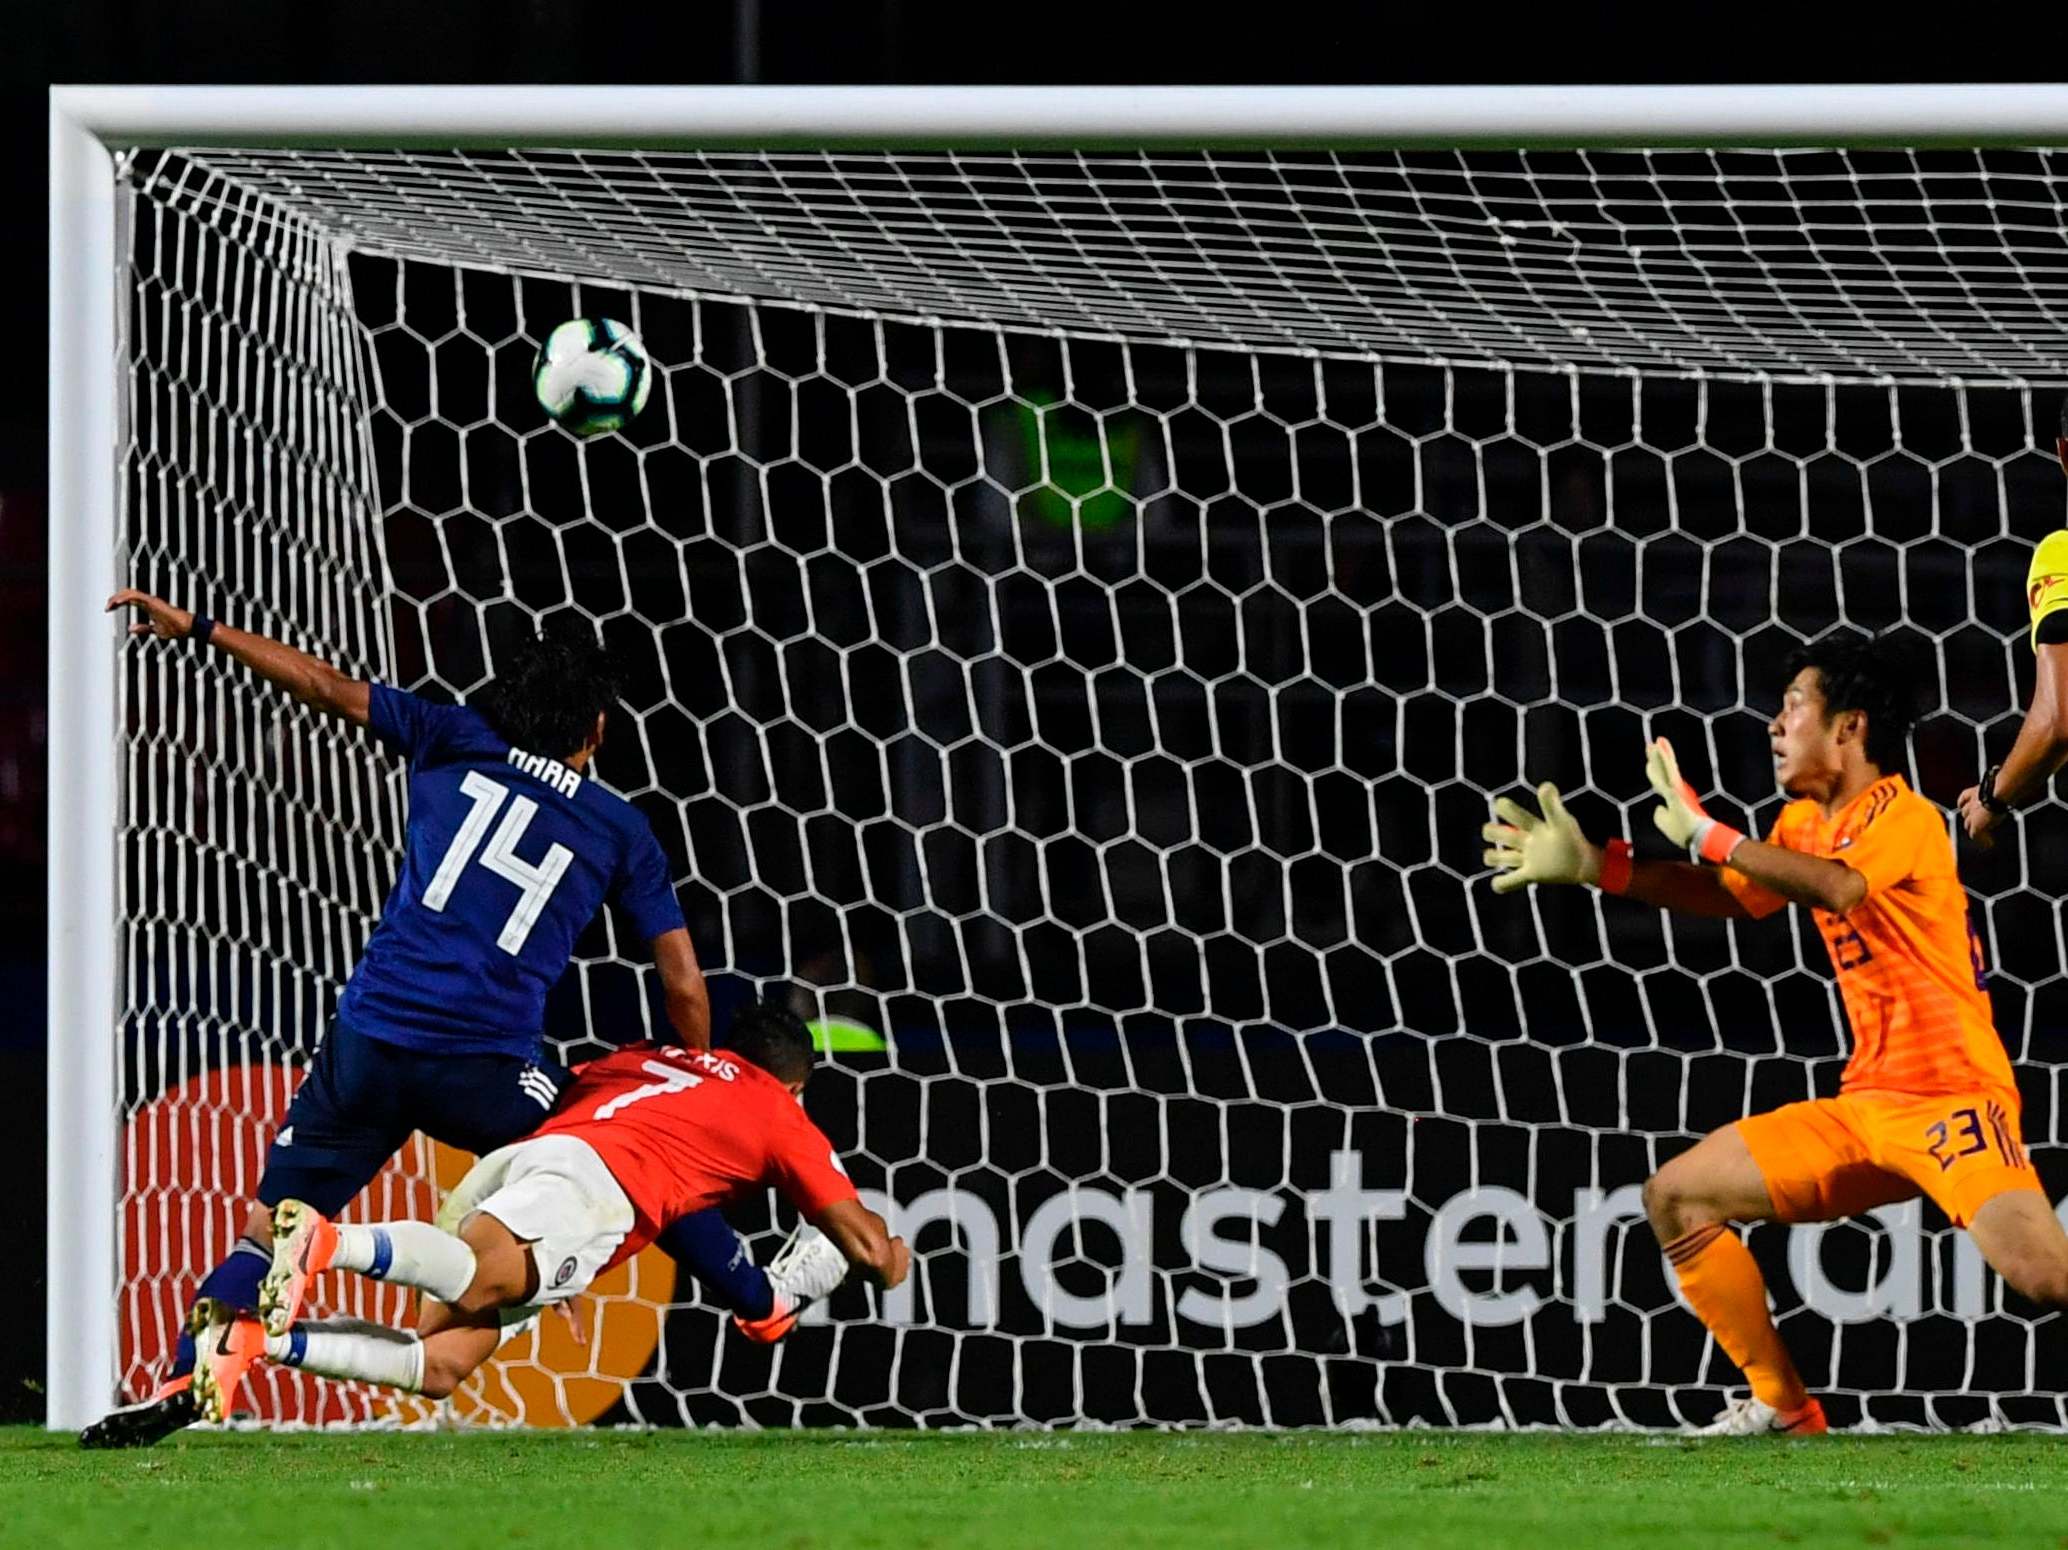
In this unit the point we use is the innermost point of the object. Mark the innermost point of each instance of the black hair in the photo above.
(549, 691)
(2064, 418)
(1883, 676)
(774, 1038)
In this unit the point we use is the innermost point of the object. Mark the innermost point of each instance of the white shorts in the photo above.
(555, 1192)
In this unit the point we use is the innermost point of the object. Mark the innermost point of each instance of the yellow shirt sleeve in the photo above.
(2046, 583)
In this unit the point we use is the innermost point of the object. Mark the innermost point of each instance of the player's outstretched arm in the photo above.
(682, 984)
(1799, 878)
(1526, 850)
(2040, 751)
(308, 679)
(865, 1239)
(1684, 888)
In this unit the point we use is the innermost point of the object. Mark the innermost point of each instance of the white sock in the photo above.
(410, 1253)
(352, 1348)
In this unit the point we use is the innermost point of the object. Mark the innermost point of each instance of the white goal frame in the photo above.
(90, 125)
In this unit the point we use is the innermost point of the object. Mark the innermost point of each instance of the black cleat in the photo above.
(139, 1426)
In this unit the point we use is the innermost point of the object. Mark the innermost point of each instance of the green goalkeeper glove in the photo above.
(1680, 816)
(1525, 849)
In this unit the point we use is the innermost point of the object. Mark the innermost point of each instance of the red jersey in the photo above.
(682, 1130)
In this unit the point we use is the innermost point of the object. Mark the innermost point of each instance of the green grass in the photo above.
(793, 1491)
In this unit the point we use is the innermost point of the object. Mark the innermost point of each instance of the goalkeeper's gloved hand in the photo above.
(1680, 816)
(1526, 849)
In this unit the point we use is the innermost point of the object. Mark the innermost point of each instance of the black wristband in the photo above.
(1987, 793)
(199, 631)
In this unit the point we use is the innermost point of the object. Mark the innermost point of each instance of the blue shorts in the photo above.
(362, 1098)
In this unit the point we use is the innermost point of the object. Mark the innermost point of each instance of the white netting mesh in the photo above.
(1899, 264)
(1108, 720)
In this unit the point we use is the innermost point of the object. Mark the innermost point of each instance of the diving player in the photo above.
(643, 1136)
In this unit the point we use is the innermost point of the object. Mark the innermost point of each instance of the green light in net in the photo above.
(830, 1034)
(1090, 461)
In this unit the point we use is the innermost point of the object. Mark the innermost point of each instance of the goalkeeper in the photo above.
(1928, 1104)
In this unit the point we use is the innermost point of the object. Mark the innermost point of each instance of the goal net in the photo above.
(1077, 611)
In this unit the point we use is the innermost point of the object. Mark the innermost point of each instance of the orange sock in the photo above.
(1722, 1283)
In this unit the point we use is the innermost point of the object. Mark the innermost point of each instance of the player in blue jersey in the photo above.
(510, 851)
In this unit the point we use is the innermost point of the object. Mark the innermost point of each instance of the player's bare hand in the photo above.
(900, 1264)
(575, 1311)
(1976, 818)
(160, 618)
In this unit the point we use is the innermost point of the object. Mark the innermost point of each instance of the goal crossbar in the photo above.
(1071, 116)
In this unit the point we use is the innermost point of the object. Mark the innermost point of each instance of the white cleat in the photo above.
(1749, 1417)
(807, 1266)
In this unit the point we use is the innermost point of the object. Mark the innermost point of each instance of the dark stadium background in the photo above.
(220, 41)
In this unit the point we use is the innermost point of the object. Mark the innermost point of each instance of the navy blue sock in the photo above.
(706, 1245)
(236, 1282)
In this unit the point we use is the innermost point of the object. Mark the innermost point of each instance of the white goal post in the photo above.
(90, 127)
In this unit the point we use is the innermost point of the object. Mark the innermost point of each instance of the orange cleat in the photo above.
(1806, 1422)
(226, 1343)
(778, 1322)
(304, 1244)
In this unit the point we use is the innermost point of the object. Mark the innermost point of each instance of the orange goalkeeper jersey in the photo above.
(1909, 965)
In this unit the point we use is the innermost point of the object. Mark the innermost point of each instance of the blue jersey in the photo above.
(509, 853)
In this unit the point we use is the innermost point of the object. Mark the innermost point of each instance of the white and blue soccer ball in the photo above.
(592, 376)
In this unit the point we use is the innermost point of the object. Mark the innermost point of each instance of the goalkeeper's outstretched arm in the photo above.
(309, 679)
(1527, 849)
(1684, 888)
(1789, 874)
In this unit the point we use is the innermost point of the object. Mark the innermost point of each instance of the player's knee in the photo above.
(494, 1286)
(1664, 1203)
(1657, 1191)
(1673, 1204)
(441, 1375)
(503, 1272)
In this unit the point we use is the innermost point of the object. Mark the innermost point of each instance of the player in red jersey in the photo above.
(643, 1136)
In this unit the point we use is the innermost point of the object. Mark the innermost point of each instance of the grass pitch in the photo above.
(799, 1491)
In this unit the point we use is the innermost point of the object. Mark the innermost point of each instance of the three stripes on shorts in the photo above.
(538, 1087)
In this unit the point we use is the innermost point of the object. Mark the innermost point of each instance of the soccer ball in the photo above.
(592, 376)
